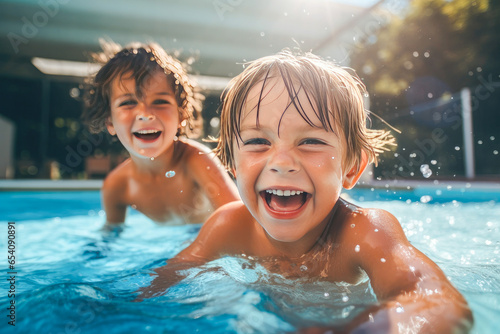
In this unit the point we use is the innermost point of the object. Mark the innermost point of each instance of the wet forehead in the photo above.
(272, 99)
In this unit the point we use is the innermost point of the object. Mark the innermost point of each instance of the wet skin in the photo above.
(335, 240)
(147, 127)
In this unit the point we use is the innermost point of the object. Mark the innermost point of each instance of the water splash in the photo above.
(170, 174)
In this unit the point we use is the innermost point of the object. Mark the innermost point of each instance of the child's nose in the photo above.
(144, 114)
(143, 117)
(283, 162)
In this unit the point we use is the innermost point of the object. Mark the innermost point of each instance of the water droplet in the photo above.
(133, 206)
(382, 260)
(400, 309)
(170, 174)
(356, 249)
(425, 170)
(262, 34)
(425, 199)
(152, 158)
(457, 148)
(345, 298)
(303, 268)
(333, 158)
(208, 167)
(353, 225)
(326, 294)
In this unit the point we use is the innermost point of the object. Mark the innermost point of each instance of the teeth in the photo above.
(280, 192)
(145, 132)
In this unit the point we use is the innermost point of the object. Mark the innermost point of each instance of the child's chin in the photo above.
(148, 153)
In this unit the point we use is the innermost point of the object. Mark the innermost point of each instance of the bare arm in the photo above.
(415, 296)
(218, 235)
(112, 193)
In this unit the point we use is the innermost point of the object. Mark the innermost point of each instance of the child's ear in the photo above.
(110, 127)
(354, 174)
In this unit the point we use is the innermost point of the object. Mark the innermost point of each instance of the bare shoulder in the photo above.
(206, 170)
(370, 222)
(193, 149)
(226, 232)
(197, 157)
(230, 219)
(367, 235)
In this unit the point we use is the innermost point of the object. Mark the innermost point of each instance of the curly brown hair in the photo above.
(139, 61)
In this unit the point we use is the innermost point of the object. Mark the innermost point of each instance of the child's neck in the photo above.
(308, 244)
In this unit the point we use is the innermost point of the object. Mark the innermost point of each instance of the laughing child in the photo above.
(143, 95)
(294, 135)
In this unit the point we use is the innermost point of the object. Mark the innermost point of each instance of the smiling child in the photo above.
(294, 135)
(144, 97)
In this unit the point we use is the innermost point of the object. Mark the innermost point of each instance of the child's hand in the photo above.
(166, 277)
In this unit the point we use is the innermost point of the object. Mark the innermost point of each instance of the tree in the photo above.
(414, 68)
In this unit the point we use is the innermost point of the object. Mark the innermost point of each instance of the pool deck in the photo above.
(42, 185)
(47, 185)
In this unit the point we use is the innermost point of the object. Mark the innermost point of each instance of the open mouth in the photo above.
(284, 200)
(147, 135)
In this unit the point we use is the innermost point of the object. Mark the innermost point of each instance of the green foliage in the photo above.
(445, 39)
(424, 58)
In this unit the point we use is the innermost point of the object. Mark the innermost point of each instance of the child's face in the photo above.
(146, 126)
(289, 182)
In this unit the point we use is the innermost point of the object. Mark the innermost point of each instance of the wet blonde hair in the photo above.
(139, 62)
(335, 95)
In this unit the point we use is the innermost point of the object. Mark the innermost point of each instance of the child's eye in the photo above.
(312, 141)
(256, 141)
(161, 101)
(127, 103)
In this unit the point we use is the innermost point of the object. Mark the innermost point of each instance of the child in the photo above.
(144, 97)
(294, 134)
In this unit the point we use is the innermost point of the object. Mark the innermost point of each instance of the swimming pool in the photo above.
(71, 277)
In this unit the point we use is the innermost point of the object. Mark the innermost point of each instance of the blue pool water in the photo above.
(71, 277)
